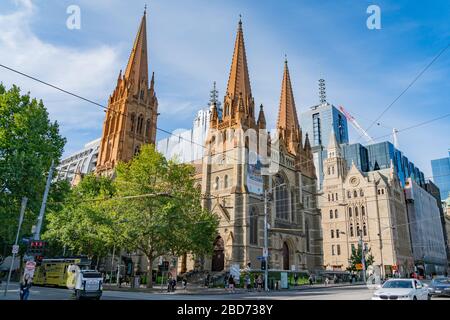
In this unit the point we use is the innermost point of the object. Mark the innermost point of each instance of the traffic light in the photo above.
(263, 265)
(37, 248)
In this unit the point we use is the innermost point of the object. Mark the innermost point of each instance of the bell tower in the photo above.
(131, 117)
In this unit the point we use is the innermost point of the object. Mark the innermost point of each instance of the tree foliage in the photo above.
(169, 219)
(356, 258)
(29, 141)
(151, 207)
(83, 222)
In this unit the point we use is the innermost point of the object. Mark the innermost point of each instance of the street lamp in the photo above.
(266, 242)
(381, 249)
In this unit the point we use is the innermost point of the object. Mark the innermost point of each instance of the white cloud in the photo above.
(88, 72)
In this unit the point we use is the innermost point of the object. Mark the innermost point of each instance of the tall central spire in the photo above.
(136, 72)
(239, 80)
(287, 114)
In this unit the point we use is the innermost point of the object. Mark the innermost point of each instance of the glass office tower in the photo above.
(441, 175)
(317, 122)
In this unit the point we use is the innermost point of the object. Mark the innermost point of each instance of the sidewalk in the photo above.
(200, 290)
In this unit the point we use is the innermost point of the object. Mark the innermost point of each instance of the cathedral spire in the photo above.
(287, 113)
(136, 72)
(239, 80)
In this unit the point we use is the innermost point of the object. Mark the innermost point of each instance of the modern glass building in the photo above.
(441, 175)
(378, 156)
(318, 122)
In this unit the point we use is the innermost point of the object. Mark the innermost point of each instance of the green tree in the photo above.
(29, 141)
(356, 258)
(83, 223)
(169, 219)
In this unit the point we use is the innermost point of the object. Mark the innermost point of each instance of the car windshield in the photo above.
(441, 281)
(398, 284)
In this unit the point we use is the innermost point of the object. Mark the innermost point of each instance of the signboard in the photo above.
(284, 280)
(235, 271)
(15, 249)
(359, 266)
(254, 178)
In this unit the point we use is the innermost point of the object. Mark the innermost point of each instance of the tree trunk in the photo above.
(149, 271)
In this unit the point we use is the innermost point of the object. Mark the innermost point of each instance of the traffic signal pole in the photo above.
(37, 234)
(22, 212)
(266, 244)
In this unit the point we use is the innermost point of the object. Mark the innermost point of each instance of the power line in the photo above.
(407, 88)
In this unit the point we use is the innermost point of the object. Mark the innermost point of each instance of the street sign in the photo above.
(15, 249)
(359, 266)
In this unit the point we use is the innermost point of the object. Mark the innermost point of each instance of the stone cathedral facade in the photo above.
(230, 180)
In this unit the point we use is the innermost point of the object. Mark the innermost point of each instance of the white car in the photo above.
(402, 289)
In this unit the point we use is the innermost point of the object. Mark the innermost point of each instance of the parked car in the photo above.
(439, 287)
(402, 289)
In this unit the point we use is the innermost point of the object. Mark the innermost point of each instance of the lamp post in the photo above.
(382, 271)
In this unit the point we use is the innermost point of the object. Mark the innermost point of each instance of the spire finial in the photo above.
(285, 58)
(240, 21)
(145, 9)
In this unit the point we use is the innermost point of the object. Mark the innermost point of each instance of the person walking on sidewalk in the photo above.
(259, 283)
(25, 286)
(327, 281)
(310, 279)
(248, 282)
(231, 283)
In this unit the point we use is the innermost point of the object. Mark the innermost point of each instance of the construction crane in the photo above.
(356, 125)
(363, 132)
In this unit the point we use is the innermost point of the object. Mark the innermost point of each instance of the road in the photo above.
(330, 293)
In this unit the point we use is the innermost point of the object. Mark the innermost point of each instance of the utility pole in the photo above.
(22, 212)
(37, 234)
(112, 263)
(266, 244)
(363, 258)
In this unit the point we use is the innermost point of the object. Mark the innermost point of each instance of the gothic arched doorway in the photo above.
(285, 256)
(218, 259)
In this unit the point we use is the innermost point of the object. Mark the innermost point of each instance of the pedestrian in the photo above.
(207, 279)
(25, 286)
(259, 282)
(310, 279)
(231, 283)
(295, 279)
(225, 282)
(327, 281)
(248, 282)
(335, 279)
(184, 283)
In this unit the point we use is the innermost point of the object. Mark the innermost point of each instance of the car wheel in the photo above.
(414, 298)
(429, 297)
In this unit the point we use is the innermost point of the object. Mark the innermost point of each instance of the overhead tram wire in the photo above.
(178, 136)
(408, 87)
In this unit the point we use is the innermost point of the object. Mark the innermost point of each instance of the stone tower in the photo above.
(132, 112)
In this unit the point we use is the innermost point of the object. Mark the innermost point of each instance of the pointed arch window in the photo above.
(147, 128)
(352, 233)
(281, 198)
(364, 230)
(133, 122)
(356, 212)
(216, 185)
(253, 226)
(361, 193)
(350, 212)
(355, 194)
(363, 211)
(336, 214)
(225, 181)
(332, 234)
(293, 206)
(349, 194)
(331, 214)
(140, 124)
(307, 236)
(332, 170)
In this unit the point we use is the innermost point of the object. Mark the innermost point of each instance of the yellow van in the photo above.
(58, 272)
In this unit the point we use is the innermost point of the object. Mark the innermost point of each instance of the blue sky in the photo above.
(191, 44)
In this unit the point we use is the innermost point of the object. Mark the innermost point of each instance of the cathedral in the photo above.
(233, 184)
(232, 175)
